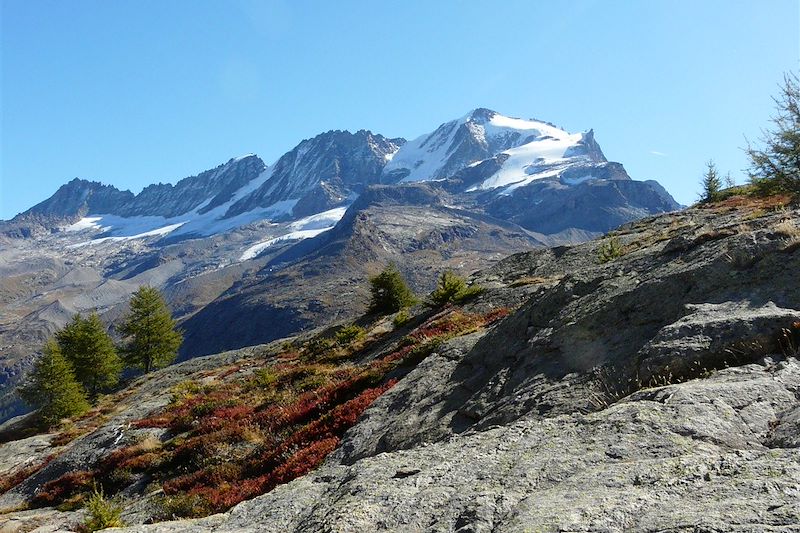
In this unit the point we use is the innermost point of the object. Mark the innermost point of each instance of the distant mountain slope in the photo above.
(247, 252)
(326, 277)
(511, 168)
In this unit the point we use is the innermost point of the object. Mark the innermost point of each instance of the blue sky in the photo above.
(135, 92)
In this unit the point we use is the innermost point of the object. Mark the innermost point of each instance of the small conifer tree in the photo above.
(452, 288)
(712, 184)
(52, 388)
(776, 167)
(153, 339)
(390, 293)
(101, 513)
(90, 350)
(729, 181)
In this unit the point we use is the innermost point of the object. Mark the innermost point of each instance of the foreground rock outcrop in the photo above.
(687, 457)
(647, 381)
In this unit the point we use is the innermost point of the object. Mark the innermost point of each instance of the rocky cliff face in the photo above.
(77, 198)
(645, 381)
(205, 191)
(323, 172)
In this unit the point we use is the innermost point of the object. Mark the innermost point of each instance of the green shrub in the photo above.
(101, 512)
(185, 506)
(418, 353)
(390, 293)
(183, 390)
(311, 382)
(401, 318)
(265, 378)
(609, 250)
(452, 288)
(349, 334)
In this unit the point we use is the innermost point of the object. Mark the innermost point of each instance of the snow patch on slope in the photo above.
(256, 249)
(326, 219)
(425, 155)
(195, 223)
(304, 228)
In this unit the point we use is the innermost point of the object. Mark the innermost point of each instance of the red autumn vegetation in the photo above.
(13, 479)
(239, 438)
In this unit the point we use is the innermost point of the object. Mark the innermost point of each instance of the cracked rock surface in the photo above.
(656, 392)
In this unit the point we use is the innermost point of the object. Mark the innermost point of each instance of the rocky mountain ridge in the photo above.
(648, 385)
(265, 247)
(482, 151)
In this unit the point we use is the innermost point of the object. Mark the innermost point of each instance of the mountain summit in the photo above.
(522, 150)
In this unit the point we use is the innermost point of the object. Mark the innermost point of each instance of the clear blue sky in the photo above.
(134, 92)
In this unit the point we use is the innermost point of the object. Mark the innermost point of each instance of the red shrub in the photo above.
(495, 315)
(339, 420)
(10, 481)
(398, 355)
(161, 420)
(236, 412)
(119, 456)
(224, 417)
(302, 462)
(228, 372)
(63, 487)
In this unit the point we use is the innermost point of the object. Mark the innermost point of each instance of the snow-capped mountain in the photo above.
(246, 252)
(202, 192)
(322, 172)
(317, 175)
(520, 151)
(509, 165)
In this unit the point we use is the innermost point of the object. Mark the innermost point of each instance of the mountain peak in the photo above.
(322, 172)
(481, 115)
(522, 150)
(76, 198)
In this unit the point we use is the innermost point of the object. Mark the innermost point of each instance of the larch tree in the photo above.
(389, 291)
(87, 346)
(52, 388)
(776, 167)
(152, 337)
